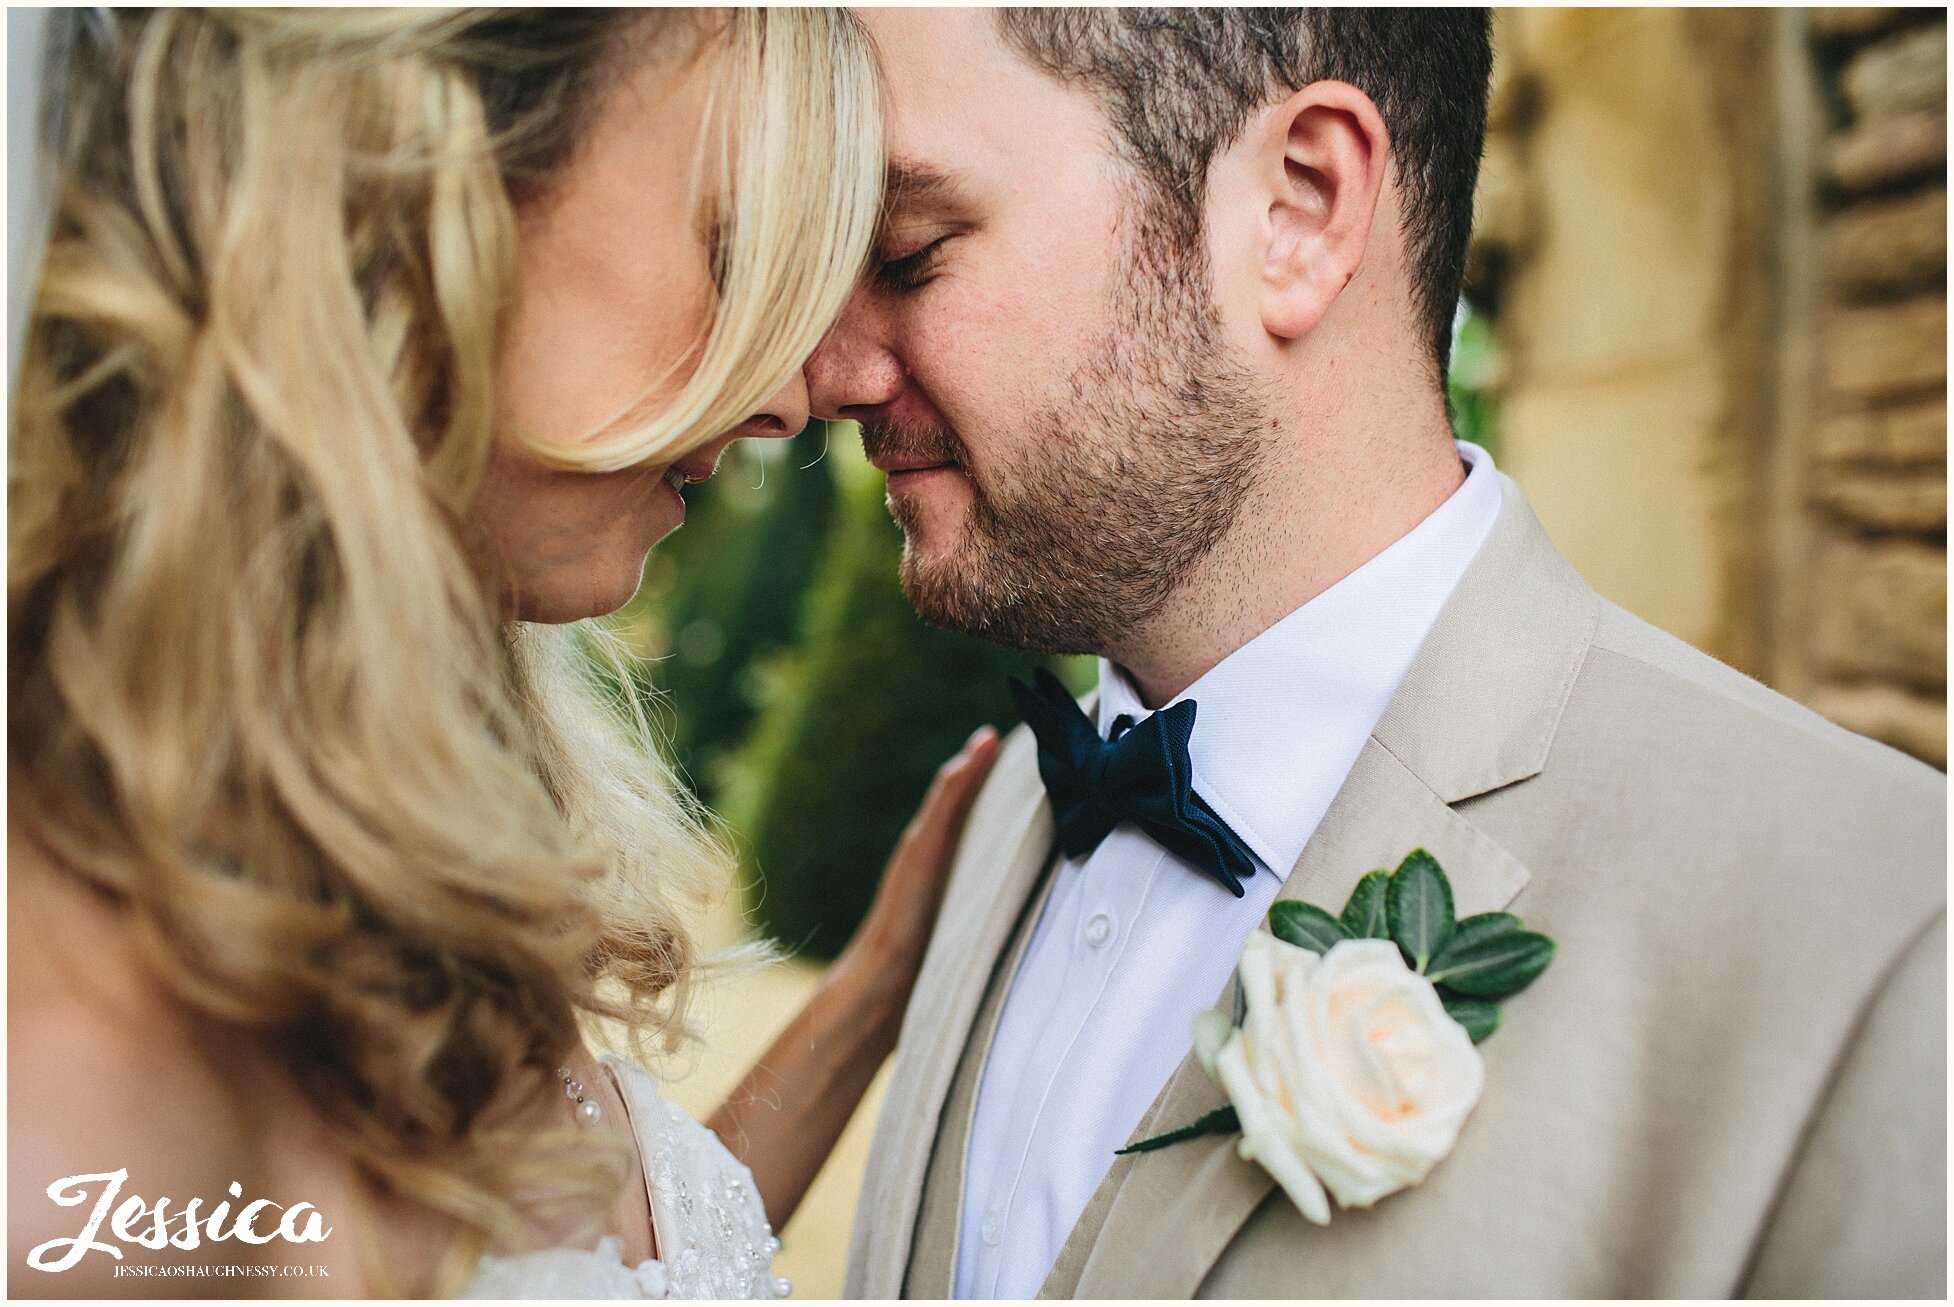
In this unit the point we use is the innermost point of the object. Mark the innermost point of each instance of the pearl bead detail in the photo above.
(588, 1111)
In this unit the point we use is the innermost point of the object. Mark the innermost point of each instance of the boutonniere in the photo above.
(1350, 1063)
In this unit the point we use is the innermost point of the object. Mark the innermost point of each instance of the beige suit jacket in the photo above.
(1732, 1080)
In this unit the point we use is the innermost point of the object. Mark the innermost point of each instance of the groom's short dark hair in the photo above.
(1180, 84)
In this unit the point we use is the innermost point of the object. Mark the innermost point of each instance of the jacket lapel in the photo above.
(1477, 712)
(980, 907)
(933, 1260)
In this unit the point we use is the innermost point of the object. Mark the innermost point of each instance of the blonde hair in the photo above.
(259, 691)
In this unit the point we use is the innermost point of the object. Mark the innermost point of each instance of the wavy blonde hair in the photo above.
(259, 691)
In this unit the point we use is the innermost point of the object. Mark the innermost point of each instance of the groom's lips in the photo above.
(905, 475)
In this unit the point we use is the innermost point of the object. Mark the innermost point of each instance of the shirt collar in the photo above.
(1281, 720)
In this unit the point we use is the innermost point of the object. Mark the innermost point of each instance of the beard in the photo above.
(1121, 487)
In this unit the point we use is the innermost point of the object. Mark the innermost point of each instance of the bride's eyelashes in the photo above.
(910, 270)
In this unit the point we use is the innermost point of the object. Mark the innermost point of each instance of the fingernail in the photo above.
(977, 736)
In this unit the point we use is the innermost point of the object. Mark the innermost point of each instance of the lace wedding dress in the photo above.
(712, 1232)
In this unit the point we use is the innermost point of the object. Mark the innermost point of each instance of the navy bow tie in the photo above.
(1141, 776)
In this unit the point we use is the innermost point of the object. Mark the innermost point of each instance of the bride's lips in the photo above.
(679, 475)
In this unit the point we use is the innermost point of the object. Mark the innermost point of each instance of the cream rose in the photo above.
(1347, 1074)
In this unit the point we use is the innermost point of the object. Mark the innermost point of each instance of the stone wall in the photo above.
(1713, 246)
(1876, 648)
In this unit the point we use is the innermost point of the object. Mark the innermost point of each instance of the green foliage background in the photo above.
(801, 695)
(1471, 386)
(855, 722)
(739, 571)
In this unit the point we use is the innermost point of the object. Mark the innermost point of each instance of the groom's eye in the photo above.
(911, 270)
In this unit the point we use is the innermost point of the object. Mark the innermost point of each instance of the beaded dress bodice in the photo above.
(712, 1231)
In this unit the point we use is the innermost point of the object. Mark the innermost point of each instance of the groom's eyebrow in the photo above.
(913, 185)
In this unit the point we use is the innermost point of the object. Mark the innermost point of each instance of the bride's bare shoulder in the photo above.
(106, 1072)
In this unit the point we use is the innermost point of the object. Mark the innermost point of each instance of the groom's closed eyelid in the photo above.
(909, 271)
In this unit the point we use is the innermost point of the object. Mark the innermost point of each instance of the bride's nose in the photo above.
(782, 415)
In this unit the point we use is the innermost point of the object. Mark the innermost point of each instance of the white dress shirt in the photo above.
(1133, 942)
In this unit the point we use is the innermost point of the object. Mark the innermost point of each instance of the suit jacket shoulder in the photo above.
(1711, 785)
(1675, 669)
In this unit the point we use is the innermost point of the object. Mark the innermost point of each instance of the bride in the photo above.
(371, 350)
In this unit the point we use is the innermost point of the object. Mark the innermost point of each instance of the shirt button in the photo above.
(1099, 929)
(993, 1227)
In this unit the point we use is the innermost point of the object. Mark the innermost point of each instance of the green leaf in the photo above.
(1479, 1017)
(1306, 926)
(1419, 901)
(1221, 1121)
(1493, 966)
(1484, 926)
(1367, 915)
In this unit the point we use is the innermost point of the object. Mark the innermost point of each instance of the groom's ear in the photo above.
(1318, 165)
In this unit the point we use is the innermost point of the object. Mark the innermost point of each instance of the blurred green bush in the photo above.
(857, 716)
(800, 694)
(740, 570)
(1471, 385)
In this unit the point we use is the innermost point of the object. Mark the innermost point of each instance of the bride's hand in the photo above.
(893, 937)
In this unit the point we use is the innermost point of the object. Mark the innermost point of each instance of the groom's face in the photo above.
(1042, 376)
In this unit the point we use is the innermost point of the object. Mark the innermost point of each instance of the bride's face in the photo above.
(616, 296)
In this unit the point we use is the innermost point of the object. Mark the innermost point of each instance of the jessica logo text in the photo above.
(136, 1221)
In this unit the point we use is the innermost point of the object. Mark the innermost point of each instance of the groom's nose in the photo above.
(853, 371)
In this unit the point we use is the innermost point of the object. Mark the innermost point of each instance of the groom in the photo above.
(1153, 355)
